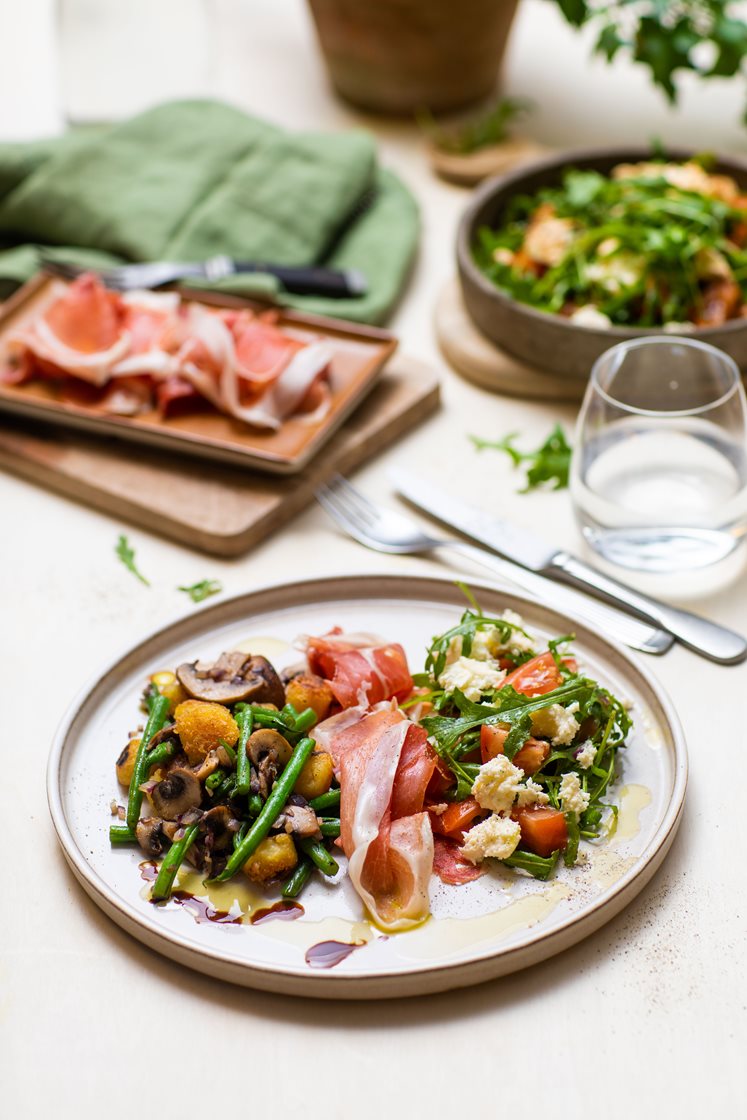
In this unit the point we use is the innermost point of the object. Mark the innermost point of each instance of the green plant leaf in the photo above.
(127, 556)
(549, 463)
(202, 590)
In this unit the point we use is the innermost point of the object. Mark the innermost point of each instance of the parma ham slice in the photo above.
(360, 668)
(82, 333)
(385, 765)
(242, 363)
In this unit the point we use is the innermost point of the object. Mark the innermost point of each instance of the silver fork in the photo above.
(386, 530)
(126, 277)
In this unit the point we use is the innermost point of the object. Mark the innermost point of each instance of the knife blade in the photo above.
(503, 537)
(709, 639)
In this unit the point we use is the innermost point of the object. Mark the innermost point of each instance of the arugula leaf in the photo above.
(539, 867)
(127, 556)
(549, 463)
(202, 590)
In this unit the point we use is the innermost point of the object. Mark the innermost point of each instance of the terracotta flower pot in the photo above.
(398, 56)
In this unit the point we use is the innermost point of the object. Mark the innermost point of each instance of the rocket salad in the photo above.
(656, 244)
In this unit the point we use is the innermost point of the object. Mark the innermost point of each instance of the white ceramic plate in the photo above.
(499, 923)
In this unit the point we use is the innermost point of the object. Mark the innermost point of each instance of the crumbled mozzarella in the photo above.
(556, 723)
(497, 784)
(531, 793)
(472, 677)
(524, 643)
(573, 799)
(590, 316)
(496, 838)
(586, 755)
(615, 273)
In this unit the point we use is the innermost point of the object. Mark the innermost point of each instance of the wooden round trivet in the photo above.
(480, 360)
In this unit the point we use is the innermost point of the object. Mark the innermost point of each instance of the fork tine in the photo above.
(338, 515)
(339, 482)
(350, 509)
(340, 511)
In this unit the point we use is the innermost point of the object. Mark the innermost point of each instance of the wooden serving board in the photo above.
(221, 510)
(480, 360)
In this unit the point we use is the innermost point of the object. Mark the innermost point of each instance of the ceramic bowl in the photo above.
(548, 341)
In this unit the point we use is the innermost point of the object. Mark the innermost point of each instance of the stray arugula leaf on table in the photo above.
(127, 556)
(549, 463)
(202, 590)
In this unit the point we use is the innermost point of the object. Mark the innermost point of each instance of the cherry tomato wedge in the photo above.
(543, 830)
(454, 820)
(529, 758)
(538, 676)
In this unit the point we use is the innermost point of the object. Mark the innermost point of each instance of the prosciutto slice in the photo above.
(360, 668)
(384, 765)
(81, 333)
(450, 865)
(242, 363)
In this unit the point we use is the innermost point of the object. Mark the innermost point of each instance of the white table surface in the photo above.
(645, 1017)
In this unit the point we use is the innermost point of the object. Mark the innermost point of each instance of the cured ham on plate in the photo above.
(207, 375)
(345, 943)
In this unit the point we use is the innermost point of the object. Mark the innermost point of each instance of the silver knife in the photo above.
(523, 547)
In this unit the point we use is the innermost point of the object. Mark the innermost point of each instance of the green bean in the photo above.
(289, 712)
(171, 864)
(254, 805)
(227, 787)
(305, 720)
(162, 753)
(158, 711)
(214, 780)
(319, 855)
(266, 717)
(270, 811)
(328, 800)
(298, 880)
(330, 826)
(239, 836)
(121, 834)
(229, 751)
(245, 721)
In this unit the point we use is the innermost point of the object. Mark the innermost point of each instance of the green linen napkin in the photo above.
(192, 179)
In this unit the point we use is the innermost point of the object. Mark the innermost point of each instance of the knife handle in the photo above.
(624, 627)
(311, 280)
(699, 634)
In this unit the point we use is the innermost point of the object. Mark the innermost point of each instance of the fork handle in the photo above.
(625, 628)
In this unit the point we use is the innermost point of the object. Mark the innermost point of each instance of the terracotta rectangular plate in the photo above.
(360, 354)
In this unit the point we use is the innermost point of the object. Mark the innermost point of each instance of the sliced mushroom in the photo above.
(234, 676)
(179, 791)
(269, 751)
(149, 832)
(219, 825)
(209, 764)
(166, 733)
(300, 819)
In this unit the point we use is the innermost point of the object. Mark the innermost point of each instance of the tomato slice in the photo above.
(529, 758)
(540, 675)
(543, 830)
(454, 820)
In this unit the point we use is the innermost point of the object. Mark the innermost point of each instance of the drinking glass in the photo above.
(659, 472)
